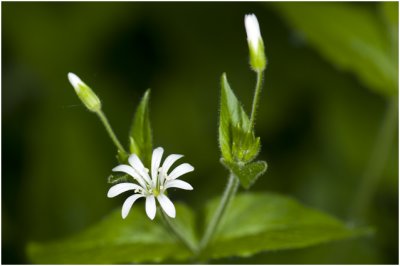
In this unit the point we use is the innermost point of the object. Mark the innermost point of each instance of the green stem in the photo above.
(257, 93)
(110, 131)
(377, 160)
(229, 193)
(178, 233)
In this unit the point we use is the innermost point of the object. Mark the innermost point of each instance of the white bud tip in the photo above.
(252, 29)
(74, 80)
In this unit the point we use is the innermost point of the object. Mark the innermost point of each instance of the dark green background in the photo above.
(317, 122)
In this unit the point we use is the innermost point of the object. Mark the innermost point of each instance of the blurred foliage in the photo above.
(319, 114)
(255, 222)
(351, 37)
(116, 240)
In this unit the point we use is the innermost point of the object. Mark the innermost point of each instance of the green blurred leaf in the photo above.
(390, 11)
(140, 134)
(136, 239)
(236, 141)
(247, 173)
(350, 37)
(258, 222)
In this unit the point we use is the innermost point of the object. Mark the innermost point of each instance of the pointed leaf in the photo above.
(113, 240)
(247, 173)
(140, 136)
(257, 222)
(234, 127)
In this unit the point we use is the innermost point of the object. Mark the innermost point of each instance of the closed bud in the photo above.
(258, 60)
(87, 96)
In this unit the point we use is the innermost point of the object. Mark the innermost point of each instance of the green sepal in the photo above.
(236, 138)
(140, 137)
(258, 61)
(118, 178)
(246, 173)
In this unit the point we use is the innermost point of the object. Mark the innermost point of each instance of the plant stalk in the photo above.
(257, 92)
(110, 131)
(377, 161)
(227, 197)
(177, 233)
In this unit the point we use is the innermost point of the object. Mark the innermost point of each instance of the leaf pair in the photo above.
(238, 144)
(255, 222)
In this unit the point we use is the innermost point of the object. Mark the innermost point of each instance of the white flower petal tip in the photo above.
(178, 184)
(74, 80)
(121, 188)
(167, 205)
(126, 207)
(151, 207)
(181, 170)
(152, 183)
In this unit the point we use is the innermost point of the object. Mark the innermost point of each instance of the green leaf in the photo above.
(258, 222)
(235, 139)
(136, 239)
(351, 37)
(247, 173)
(140, 137)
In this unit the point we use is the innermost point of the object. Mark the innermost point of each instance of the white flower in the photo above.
(256, 44)
(151, 185)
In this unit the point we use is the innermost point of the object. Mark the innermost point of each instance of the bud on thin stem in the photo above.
(92, 102)
(87, 96)
(258, 60)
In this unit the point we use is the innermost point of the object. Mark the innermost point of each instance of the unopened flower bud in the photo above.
(258, 60)
(87, 96)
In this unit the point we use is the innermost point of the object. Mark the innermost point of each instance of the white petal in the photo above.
(178, 184)
(121, 188)
(169, 161)
(181, 170)
(128, 204)
(167, 205)
(130, 171)
(74, 80)
(155, 163)
(151, 207)
(139, 167)
(252, 30)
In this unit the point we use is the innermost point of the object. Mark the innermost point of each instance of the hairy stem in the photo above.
(257, 93)
(178, 233)
(377, 160)
(110, 131)
(227, 197)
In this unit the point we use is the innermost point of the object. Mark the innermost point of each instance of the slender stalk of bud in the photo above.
(93, 103)
(258, 60)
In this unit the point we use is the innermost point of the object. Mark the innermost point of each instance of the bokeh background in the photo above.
(330, 89)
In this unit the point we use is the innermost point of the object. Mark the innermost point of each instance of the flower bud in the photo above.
(258, 60)
(87, 96)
